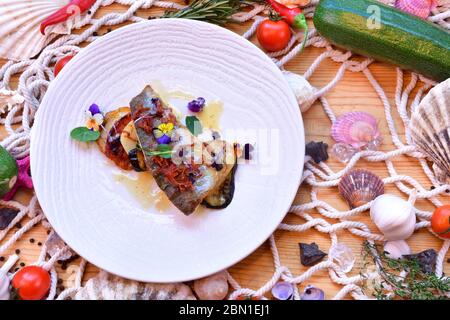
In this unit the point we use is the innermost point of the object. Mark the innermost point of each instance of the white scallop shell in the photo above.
(106, 286)
(430, 128)
(393, 216)
(20, 37)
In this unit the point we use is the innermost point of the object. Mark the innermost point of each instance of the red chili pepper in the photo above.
(73, 7)
(293, 16)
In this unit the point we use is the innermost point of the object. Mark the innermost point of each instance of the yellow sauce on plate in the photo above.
(145, 190)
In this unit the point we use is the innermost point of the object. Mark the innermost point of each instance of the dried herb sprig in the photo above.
(212, 11)
(403, 277)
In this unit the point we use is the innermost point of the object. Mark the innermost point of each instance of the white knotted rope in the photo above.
(36, 74)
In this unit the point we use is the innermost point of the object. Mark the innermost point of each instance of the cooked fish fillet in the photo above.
(195, 169)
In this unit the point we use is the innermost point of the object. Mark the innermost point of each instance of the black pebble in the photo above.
(426, 259)
(248, 148)
(310, 254)
(17, 251)
(317, 151)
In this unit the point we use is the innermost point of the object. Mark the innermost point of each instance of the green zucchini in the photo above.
(399, 38)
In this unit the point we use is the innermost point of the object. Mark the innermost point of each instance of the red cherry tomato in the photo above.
(273, 35)
(440, 221)
(61, 63)
(32, 283)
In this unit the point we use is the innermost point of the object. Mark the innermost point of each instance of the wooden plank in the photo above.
(352, 93)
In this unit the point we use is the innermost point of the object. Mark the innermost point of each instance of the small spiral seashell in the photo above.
(359, 187)
(355, 128)
(419, 8)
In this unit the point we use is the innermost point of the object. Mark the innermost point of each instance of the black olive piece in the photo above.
(137, 160)
(248, 148)
(217, 166)
(310, 254)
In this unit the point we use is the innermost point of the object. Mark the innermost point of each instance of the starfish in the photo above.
(23, 178)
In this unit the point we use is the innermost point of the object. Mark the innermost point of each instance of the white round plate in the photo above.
(96, 214)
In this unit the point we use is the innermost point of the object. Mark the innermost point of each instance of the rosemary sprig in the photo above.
(403, 277)
(212, 11)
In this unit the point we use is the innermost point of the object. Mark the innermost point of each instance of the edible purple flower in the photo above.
(196, 105)
(163, 139)
(162, 133)
(94, 109)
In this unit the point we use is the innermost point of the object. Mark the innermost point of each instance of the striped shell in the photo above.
(359, 187)
(419, 8)
(20, 37)
(430, 129)
(355, 128)
(109, 287)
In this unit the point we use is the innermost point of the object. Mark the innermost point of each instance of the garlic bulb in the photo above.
(396, 249)
(302, 89)
(393, 216)
(4, 279)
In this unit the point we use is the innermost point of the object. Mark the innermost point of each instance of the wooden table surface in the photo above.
(352, 93)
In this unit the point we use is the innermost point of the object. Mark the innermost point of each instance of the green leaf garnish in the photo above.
(163, 151)
(83, 134)
(194, 125)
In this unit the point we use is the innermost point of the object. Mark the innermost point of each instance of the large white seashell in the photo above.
(20, 37)
(430, 128)
(214, 287)
(393, 216)
(396, 249)
(109, 287)
(9, 99)
(303, 90)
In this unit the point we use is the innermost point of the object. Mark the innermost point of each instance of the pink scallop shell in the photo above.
(419, 8)
(355, 128)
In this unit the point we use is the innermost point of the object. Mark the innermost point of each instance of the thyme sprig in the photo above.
(404, 278)
(212, 11)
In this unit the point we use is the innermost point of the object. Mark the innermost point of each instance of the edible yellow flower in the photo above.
(166, 128)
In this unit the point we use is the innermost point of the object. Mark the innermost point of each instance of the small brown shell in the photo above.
(359, 187)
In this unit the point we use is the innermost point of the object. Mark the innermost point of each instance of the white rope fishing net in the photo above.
(37, 73)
